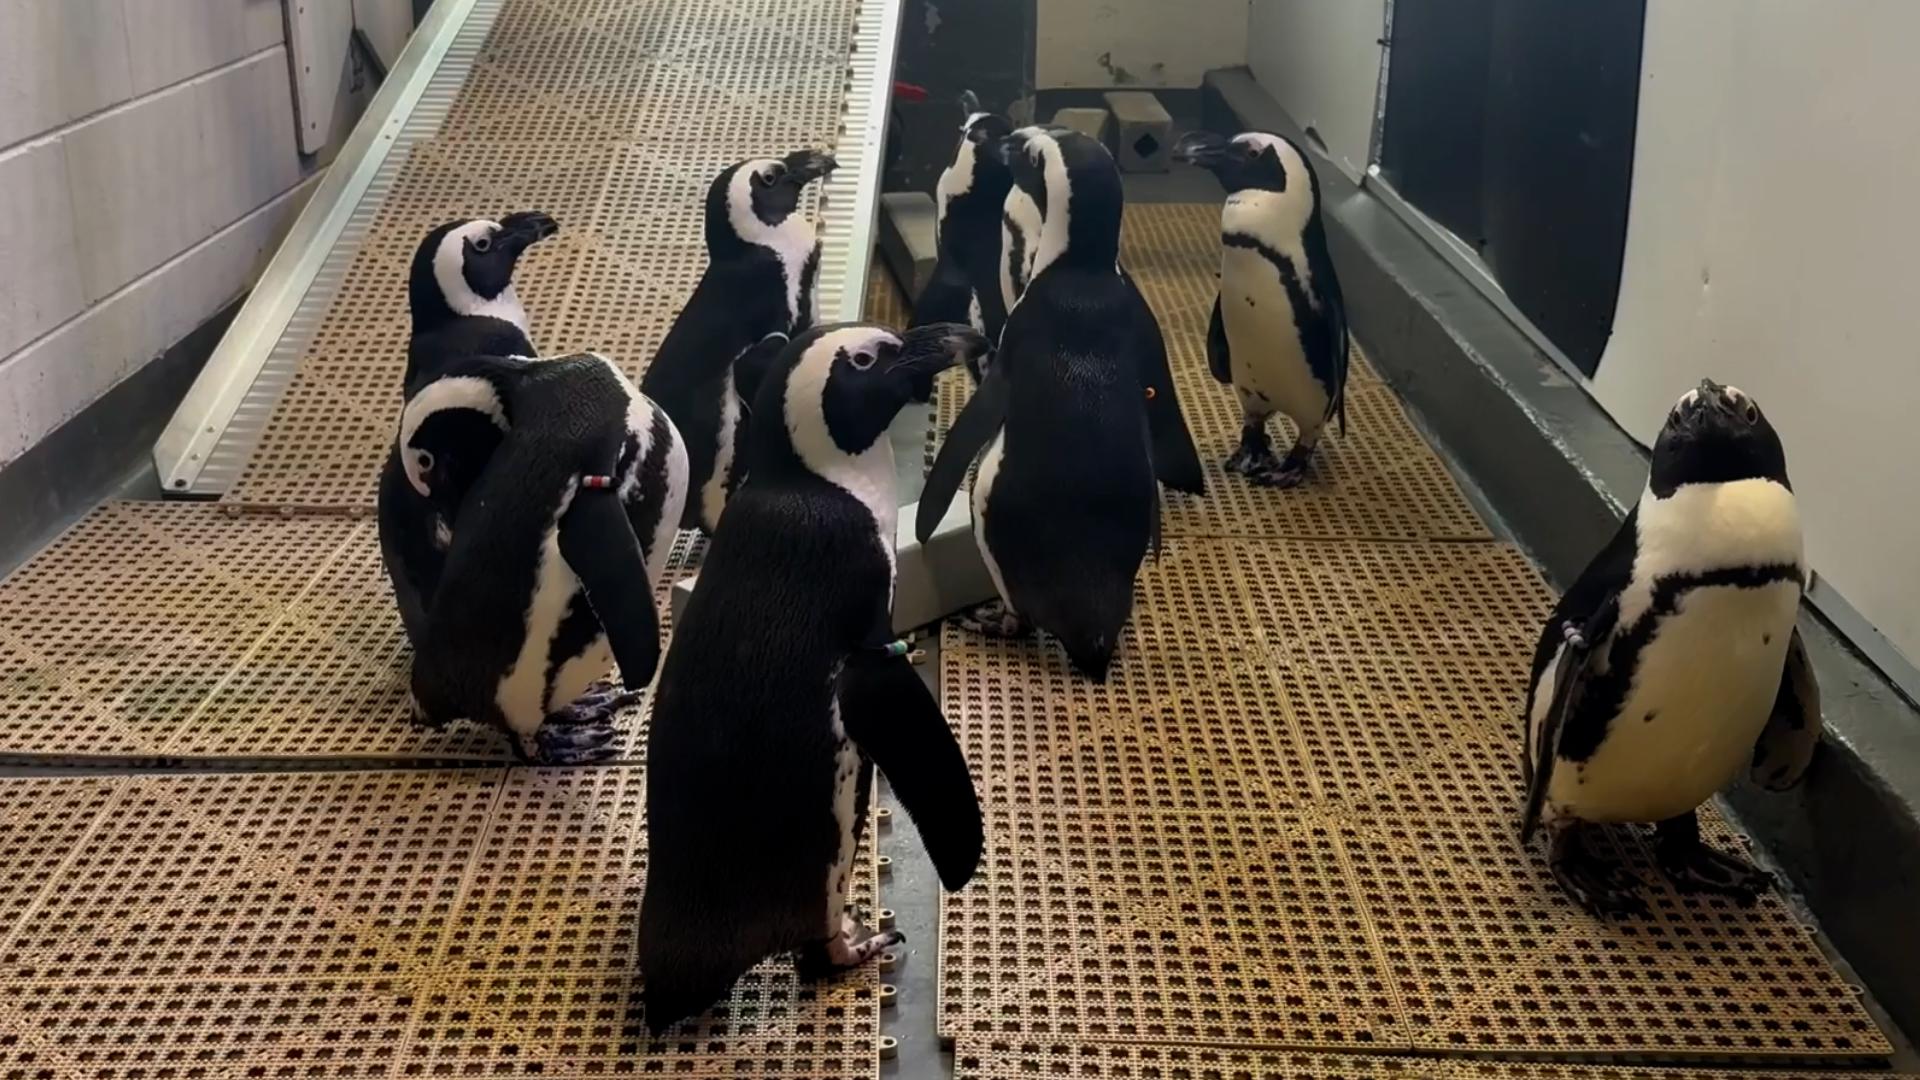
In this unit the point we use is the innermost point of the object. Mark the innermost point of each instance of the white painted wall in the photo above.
(1320, 59)
(1145, 44)
(148, 167)
(1771, 244)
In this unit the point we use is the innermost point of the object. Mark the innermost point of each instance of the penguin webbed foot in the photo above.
(425, 717)
(1276, 473)
(854, 945)
(1694, 867)
(1255, 453)
(582, 732)
(996, 620)
(1605, 890)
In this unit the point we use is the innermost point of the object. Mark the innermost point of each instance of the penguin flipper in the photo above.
(1175, 462)
(1219, 356)
(1570, 674)
(894, 719)
(598, 543)
(976, 426)
(946, 297)
(1337, 330)
(1787, 744)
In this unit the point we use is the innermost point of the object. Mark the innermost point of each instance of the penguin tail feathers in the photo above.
(687, 966)
(1091, 656)
(894, 719)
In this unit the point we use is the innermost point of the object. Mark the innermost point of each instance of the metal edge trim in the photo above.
(850, 202)
(186, 445)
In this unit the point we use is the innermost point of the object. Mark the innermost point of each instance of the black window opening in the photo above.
(1511, 124)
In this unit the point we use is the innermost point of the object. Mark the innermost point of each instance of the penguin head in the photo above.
(982, 129)
(1250, 161)
(751, 200)
(1075, 183)
(1716, 434)
(466, 267)
(448, 430)
(844, 384)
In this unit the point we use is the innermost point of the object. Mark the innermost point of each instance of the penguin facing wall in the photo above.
(461, 296)
(972, 195)
(1278, 334)
(763, 262)
(570, 485)
(1674, 661)
(780, 694)
(1065, 503)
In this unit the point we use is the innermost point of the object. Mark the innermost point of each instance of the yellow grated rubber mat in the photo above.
(1288, 820)
(369, 924)
(887, 302)
(994, 1059)
(159, 631)
(1379, 482)
(612, 115)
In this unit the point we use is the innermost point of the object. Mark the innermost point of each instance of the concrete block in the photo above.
(1088, 122)
(944, 576)
(250, 153)
(179, 39)
(1143, 131)
(59, 61)
(908, 222)
(40, 285)
(134, 174)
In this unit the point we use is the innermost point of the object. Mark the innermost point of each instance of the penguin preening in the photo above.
(569, 486)
(1278, 334)
(461, 295)
(1175, 461)
(763, 262)
(1674, 661)
(972, 196)
(780, 692)
(1065, 504)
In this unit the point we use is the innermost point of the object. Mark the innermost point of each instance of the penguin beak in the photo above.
(1203, 148)
(522, 230)
(806, 166)
(931, 349)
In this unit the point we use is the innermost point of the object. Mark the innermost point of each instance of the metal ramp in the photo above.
(1277, 844)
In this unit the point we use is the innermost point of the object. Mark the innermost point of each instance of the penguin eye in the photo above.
(424, 459)
(1751, 413)
(483, 243)
(861, 361)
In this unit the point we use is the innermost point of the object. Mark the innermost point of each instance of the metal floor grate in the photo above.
(367, 924)
(1288, 819)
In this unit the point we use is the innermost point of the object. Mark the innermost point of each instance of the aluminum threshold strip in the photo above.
(211, 433)
(850, 202)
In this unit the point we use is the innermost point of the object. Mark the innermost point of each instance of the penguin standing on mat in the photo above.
(972, 194)
(1278, 334)
(784, 687)
(569, 485)
(1064, 503)
(1673, 661)
(758, 290)
(460, 291)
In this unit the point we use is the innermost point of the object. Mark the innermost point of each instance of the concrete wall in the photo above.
(1771, 245)
(1149, 44)
(148, 166)
(1320, 59)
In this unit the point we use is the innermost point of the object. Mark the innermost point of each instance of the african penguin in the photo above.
(972, 195)
(460, 291)
(1064, 502)
(570, 485)
(759, 288)
(1278, 334)
(1674, 660)
(780, 692)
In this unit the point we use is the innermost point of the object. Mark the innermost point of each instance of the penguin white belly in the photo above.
(522, 694)
(982, 492)
(1267, 359)
(1704, 687)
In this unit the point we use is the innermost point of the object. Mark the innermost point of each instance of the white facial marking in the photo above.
(448, 266)
(458, 392)
(1057, 226)
(868, 475)
(522, 691)
(1022, 219)
(792, 240)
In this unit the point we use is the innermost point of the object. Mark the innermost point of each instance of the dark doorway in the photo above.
(1511, 123)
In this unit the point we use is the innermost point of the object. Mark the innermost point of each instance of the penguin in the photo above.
(1278, 334)
(460, 292)
(1065, 504)
(568, 486)
(1175, 461)
(972, 195)
(759, 289)
(1674, 661)
(783, 688)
